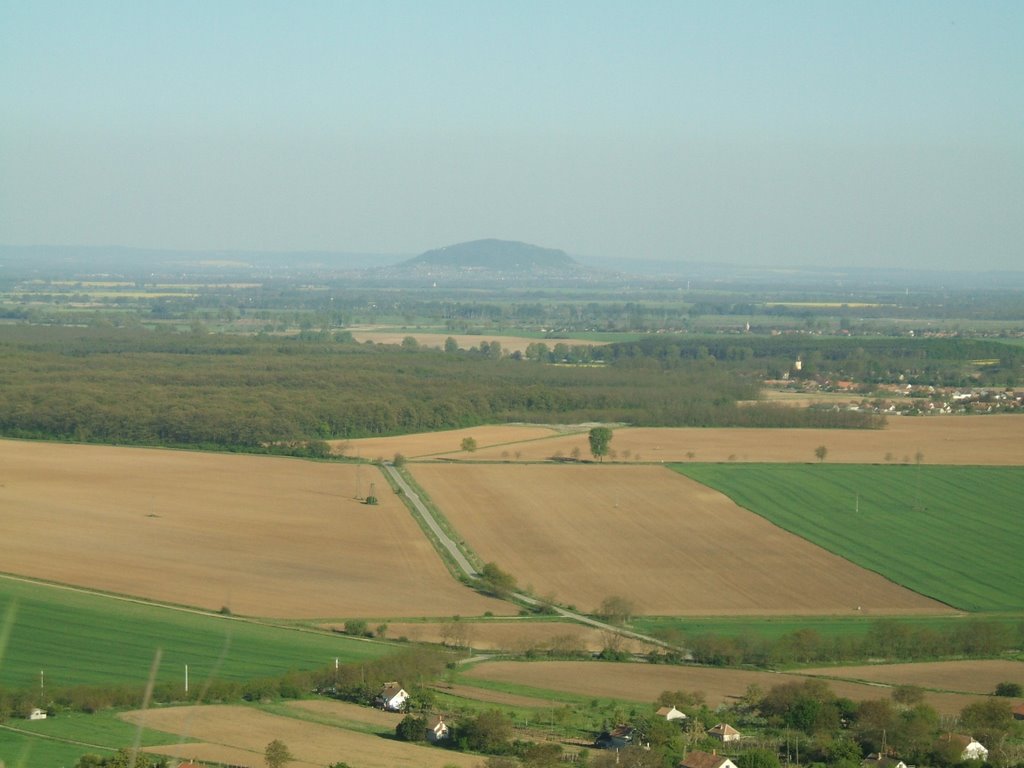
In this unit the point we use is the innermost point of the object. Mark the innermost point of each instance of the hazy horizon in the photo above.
(796, 134)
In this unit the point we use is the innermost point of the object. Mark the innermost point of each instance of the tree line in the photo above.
(141, 387)
(885, 639)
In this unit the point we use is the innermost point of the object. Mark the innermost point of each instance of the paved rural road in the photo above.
(470, 571)
(428, 518)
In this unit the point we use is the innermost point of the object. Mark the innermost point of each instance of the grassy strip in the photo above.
(951, 533)
(442, 522)
(80, 638)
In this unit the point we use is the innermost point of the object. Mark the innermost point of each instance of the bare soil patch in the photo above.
(644, 683)
(449, 442)
(261, 535)
(240, 734)
(961, 676)
(996, 440)
(518, 637)
(509, 344)
(667, 543)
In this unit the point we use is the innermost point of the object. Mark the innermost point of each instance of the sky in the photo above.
(759, 133)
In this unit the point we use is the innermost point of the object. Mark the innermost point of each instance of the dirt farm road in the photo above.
(472, 573)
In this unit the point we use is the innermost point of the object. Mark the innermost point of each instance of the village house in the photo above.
(37, 714)
(875, 760)
(616, 738)
(670, 713)
(437, 729)
(698, 759)
(967, 747)
(392, 697)
(724, 733)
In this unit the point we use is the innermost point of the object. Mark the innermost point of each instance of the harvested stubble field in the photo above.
(996, 440)
(238, 735)
(644, 682)
(670, 545)
(518, 637)
(430, 443)
(260, 535)
(509, 344)
(961, 676)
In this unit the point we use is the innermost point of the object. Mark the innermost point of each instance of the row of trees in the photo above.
(884, 639)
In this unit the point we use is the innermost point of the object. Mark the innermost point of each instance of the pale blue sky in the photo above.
(790, 133)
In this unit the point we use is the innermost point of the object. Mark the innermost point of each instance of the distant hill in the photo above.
(497, 256)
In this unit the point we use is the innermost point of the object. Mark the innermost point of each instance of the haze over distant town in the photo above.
(795, 134)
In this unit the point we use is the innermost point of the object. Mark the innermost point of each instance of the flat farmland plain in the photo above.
(582, 533)
(263, 536)
(996, 440)
(643, 683)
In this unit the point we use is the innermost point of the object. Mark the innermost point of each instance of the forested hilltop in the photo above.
(266, 392)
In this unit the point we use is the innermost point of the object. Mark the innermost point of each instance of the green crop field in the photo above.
(952, 533)
(77, 638)
(62, 740)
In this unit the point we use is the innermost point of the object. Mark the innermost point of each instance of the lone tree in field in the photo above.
(469, 444)
(277, 755)
(821, 452)
(600, 438)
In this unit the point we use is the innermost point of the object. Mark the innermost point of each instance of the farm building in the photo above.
(670, 713)
(437, 730)
(392, 697)
(724, 732)
(698, 759)
(37, 714)
(1018, 712)
(616, 738)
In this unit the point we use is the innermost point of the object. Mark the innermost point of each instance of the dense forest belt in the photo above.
(157, 388)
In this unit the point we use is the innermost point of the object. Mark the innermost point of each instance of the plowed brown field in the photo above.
(961, 676)
(643, 683)
(996, 440)
(669, 544)
(264, 536)
(515, 636)
(509, 344)
(238, 736)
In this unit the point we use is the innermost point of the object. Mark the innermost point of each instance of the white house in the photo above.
(697, 759)
(974, 750)
(724, 732)
(37, 714)
(670, 713)
(392, 697)
(437, 729)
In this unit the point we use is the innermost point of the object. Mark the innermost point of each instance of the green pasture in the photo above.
(77, 638)
(951, 533)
